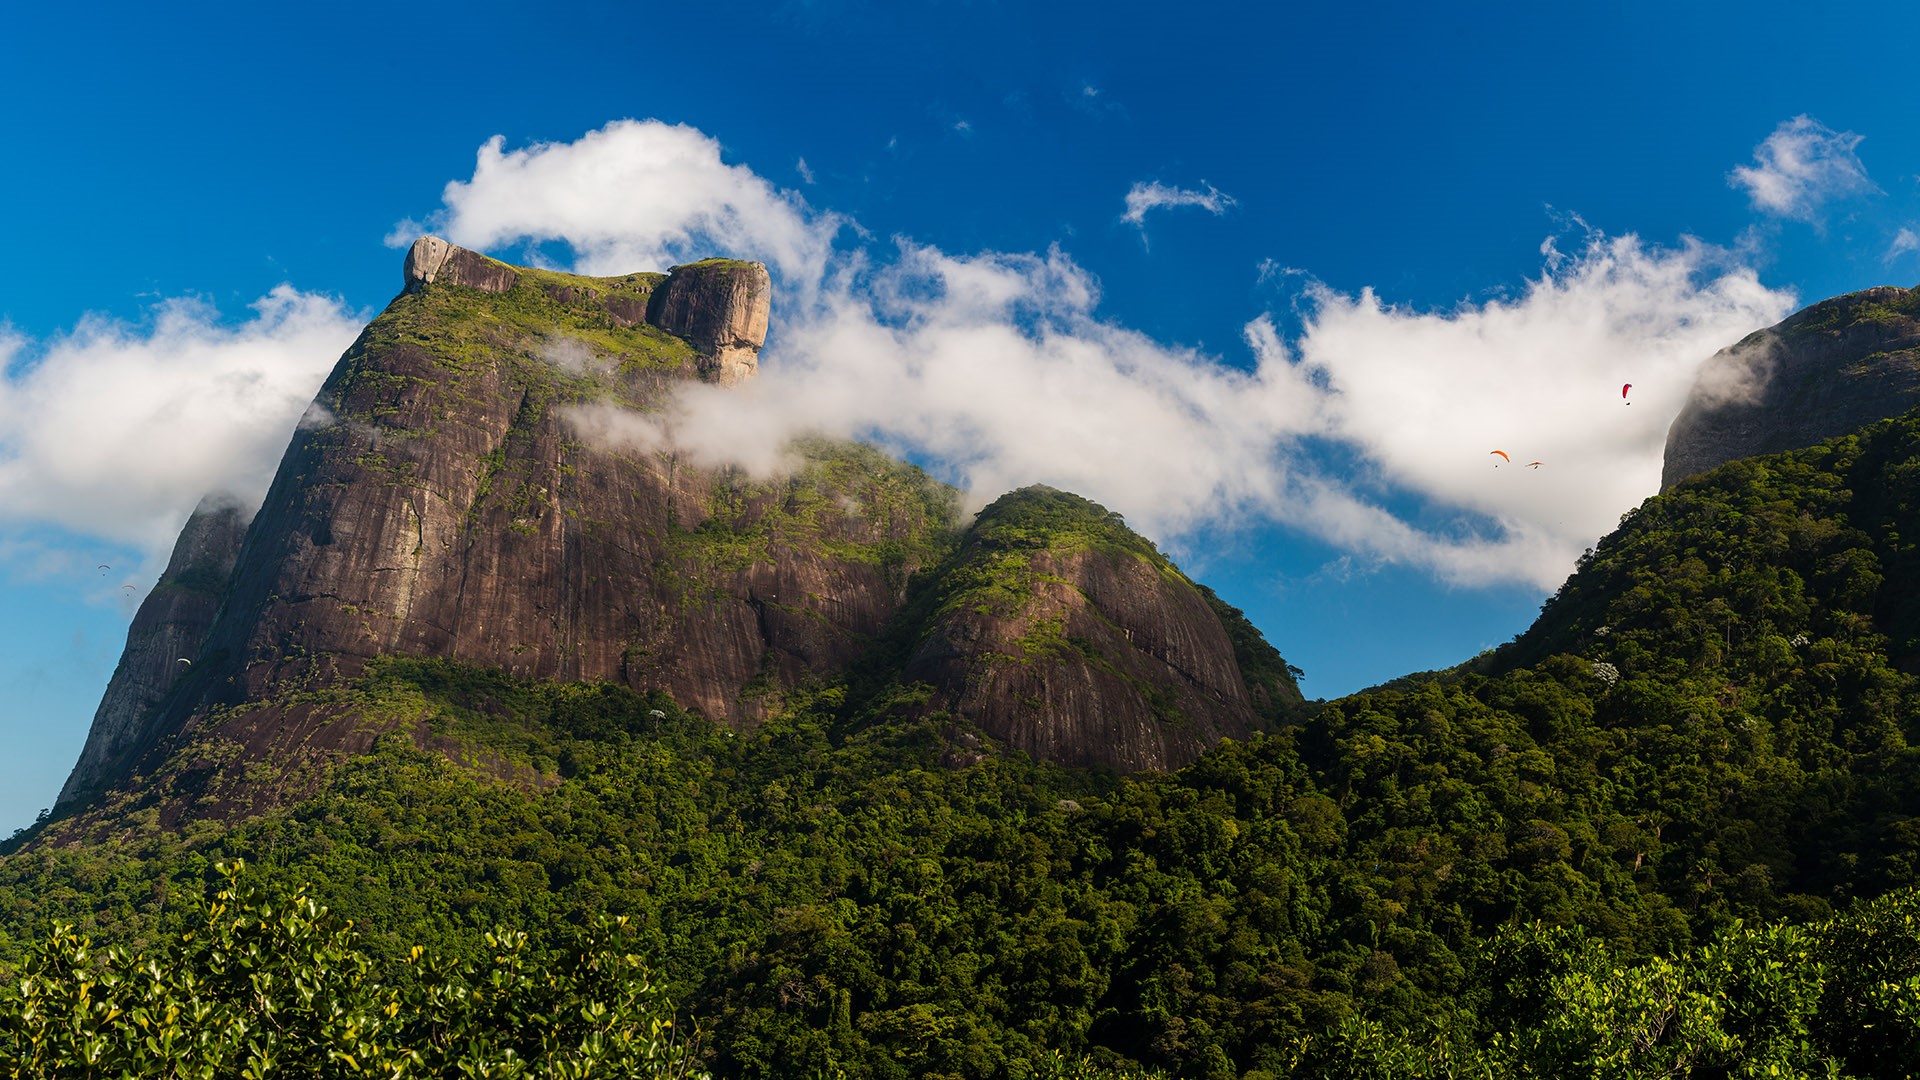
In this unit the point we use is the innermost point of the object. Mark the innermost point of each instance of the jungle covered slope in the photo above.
(1711, 786)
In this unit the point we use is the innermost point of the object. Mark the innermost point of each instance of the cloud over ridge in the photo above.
(998, 369)
(116, 431)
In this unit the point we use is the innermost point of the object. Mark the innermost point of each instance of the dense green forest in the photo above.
(1673, 830)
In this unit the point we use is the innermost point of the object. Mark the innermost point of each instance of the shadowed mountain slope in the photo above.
(1823, 372)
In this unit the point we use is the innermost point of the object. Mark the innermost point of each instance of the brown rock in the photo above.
(432, 260)
(170, 626)
(450, 507)
(721, 306)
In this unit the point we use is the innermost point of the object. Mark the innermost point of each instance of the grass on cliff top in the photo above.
(1853, 308)
(711, 264)
(573, 346)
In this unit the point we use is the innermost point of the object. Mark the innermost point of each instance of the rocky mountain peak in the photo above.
(432, 259)
(456, 493)
(721, 306)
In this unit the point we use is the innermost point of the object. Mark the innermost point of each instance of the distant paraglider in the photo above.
(1503, 457)
(1535, 464)
(1623, 392)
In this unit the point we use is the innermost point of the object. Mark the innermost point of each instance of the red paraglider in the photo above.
(1623, 392)
(1535, 464)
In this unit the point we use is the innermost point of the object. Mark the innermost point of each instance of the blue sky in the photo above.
(1363, 247)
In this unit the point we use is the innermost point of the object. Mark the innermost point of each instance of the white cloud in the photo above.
(116, 431)
(1425, 396)
(634, 195)
(1800, 168)
(1904, 241)
(1371, 427)
(1145, 196)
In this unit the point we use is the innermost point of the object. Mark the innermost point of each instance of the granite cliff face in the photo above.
(480, 479)
(721, 307)
(1830, 369)
(167, 632)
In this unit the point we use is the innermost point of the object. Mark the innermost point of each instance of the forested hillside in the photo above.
(1674, 829)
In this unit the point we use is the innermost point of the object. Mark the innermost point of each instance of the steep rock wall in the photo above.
(477, 479)
(721, 306)
(170, 627)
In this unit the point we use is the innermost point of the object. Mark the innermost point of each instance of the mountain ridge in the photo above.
(442, 499)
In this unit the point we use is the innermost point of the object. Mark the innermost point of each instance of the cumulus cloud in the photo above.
(1370, 426)
(1146, 196)
(1800, 168)
(116, 431)
(634, 195)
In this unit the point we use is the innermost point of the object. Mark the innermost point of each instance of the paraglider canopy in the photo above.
(1535, 464)
(1503, 456)
(1623, 392)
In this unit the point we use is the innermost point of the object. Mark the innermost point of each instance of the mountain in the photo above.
(484, 478)
(1063, 633)
(1677, 821)
(1671, 830)
(1822, 372)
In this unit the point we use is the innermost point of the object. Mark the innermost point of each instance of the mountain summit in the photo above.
(450, 494)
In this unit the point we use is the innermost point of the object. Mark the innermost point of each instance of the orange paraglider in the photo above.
(1503, 455)
(1535, 464)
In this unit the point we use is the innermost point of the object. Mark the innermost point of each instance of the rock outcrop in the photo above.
(1061, 632)
(722, 307)
(170, 627)
(432, 260)
(1825, 371)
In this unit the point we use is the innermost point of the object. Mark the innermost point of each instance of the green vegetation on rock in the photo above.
(1673, 830)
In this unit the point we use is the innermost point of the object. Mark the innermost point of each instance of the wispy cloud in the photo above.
(1148, 196)
(1904, 242)
(1370, 427)
(1800, 168)
(116, 430)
